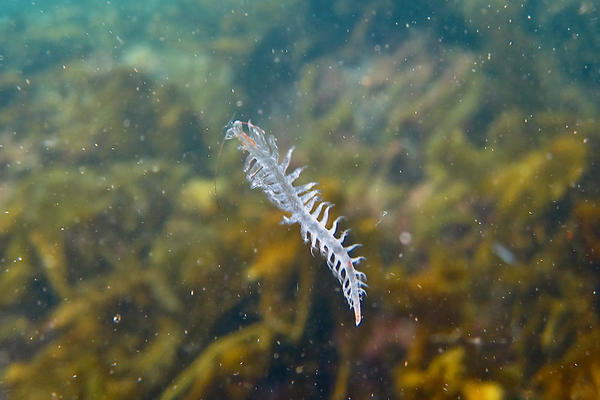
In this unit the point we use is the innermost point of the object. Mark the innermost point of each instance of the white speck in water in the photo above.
(405, 238)
(383, 215)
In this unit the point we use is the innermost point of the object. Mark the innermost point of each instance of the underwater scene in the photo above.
(143, 255)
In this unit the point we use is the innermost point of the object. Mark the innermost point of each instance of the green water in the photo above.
(461, 141)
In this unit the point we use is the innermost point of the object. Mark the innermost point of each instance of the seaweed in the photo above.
(460, 140)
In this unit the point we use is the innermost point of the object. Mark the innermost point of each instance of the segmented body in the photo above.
(263, 170)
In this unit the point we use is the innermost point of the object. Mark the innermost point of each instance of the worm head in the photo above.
(234, 130)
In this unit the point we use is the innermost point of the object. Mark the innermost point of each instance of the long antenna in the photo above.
(217, 171)
(227, 126)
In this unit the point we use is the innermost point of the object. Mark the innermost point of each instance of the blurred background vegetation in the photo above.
(459, 138)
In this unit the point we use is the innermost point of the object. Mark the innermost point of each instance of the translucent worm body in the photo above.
(263, 170)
